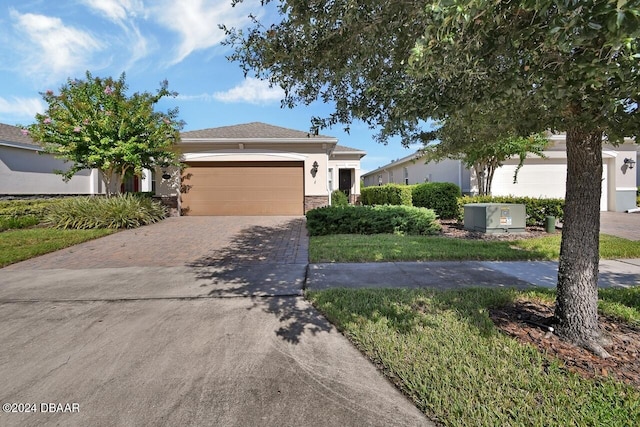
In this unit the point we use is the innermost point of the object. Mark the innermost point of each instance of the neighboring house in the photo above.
(25, 170)
(540, 177)
(258, 169)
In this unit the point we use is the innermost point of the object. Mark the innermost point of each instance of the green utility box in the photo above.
(495, 217)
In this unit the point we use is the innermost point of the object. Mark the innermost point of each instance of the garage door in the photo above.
(539, 178)
(243, 188)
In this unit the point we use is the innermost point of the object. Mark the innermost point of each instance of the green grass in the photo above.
(19, 245)
(17, 222)
(443, 351)
(390, 247)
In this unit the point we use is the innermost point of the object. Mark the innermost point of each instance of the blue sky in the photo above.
(42, 43)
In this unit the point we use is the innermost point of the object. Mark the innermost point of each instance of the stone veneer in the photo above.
(169, 202)
(312, 202)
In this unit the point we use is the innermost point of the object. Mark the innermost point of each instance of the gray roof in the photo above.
(344, 149)
(255, 130)
(13, 134)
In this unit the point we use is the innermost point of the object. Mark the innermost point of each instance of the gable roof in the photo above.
(411, 158)
(12, 136)
(254, 130)
(343, 149)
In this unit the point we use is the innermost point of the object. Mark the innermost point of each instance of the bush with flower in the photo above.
(94, 124)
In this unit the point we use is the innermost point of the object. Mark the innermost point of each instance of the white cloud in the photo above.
(196, 22)
(252, 91)
(123, 13)
(116, 10)
(53, 50)
(21, 108)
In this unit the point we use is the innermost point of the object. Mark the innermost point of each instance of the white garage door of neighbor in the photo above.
(539, 180)
(243, 188)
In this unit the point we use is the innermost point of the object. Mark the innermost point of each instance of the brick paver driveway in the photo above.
(178, 257)
(191, 321)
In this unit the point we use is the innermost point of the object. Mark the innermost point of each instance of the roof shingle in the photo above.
(248, 130)
(10, 133)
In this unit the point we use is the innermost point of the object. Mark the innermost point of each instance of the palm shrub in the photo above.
(385, 219)
(338, 198)
(121, 211)
(442, 197)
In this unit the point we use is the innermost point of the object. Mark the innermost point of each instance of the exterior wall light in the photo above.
(630, 163)
(165, 175)
(314, 169)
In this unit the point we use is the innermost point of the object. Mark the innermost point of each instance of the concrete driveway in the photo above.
(192, 321)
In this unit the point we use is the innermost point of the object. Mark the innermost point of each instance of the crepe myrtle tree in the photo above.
(482, 144)
(93, 123)
(569, 66)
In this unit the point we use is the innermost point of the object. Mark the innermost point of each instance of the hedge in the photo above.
(389, 194)
(371, 220)
(537, 209)
(442, 197)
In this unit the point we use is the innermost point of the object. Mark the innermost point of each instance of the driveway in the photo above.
(192, 321)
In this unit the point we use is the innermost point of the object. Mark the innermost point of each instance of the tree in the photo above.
(474, 142)
(94, 124)
(540, 65)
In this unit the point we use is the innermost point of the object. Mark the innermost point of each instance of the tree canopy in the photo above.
(482, 145)
(93, 123)
(536, 65)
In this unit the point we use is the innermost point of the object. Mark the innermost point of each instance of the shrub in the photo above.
(389, 194)
(16, 214)
(122, 211)
(442, 197)
(33, 207)
(338, 198)
(536, 208)
(372, 220)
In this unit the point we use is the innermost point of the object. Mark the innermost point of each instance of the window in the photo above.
(390, 177)
(152, 174)
(330, 179)
(406, 176)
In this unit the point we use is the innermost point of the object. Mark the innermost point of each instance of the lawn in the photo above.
(390, 247)
(19, 245)
(444, 352)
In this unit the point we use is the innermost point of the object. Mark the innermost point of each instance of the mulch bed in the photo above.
(528, 323)
(452, 228)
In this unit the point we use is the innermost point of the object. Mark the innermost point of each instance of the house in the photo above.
(258, 169)
(25, 170)
(539, 177)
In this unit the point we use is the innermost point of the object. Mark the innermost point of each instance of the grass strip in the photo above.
(19, 245)
(443, 351)
(391, 247)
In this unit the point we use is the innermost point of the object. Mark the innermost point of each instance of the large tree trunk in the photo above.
(576, 310)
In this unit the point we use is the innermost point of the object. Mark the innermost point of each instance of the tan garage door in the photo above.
(243, 188)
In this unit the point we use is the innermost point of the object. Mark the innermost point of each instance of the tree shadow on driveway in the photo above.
(268, 264)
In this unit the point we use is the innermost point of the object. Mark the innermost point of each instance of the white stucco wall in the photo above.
(25, 171)
(419, 172)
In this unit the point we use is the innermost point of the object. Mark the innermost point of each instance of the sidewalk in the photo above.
(459, 274)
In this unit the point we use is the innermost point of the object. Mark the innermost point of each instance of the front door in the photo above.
(345, 181)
